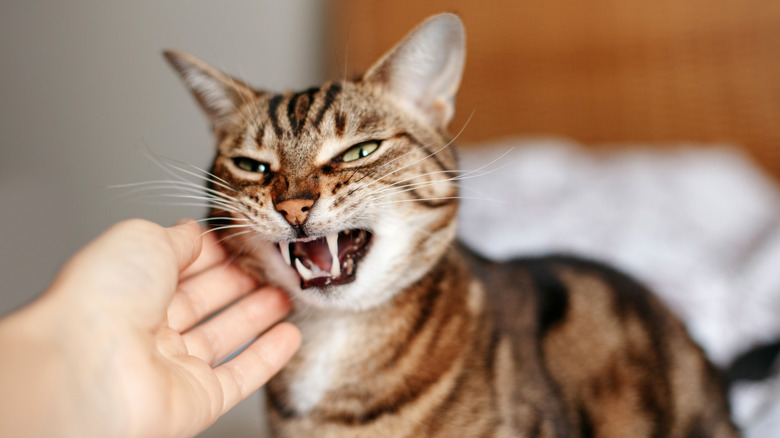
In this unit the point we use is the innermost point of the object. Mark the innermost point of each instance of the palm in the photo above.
(159, 360)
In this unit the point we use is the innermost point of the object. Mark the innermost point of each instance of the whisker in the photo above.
(437, 199)
(214, 218)
(182, 186)
(467, 174)
(398, 184)
(185, 195)
(210, 175)
(224, 227)
(395, 189)
(188, 204)
(427, 156)
(165, 164)
(219, 181)
(232, 235)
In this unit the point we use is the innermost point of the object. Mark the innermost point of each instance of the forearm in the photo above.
(38, 392)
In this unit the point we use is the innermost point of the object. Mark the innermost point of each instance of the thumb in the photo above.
(131, 268)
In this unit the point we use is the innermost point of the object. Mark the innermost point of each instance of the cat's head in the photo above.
(341, 194)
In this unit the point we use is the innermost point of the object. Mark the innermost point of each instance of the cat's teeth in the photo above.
(285, 248)
(304, 272)
(333, 247)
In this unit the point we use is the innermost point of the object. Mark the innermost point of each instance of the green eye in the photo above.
(360, 150)
(250, 165)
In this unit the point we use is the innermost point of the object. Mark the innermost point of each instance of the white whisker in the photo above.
(224, 227)
(185, 187)
(232, 235)
(435, 199)
(427, 156)
(215, 218)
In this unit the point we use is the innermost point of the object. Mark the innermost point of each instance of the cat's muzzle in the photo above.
(326, 260)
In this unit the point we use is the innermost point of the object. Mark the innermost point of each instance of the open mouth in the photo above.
(326, 260)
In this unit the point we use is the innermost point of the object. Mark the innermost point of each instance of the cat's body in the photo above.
(345, 195)
(548, 347)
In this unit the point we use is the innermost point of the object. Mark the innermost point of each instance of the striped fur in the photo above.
(428, 339)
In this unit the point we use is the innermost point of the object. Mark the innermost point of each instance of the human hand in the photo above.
(115, 348)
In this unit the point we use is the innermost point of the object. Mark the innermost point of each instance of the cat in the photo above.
(345, 195)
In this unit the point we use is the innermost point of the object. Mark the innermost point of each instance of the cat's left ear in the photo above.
(218, 94)
(424, 69)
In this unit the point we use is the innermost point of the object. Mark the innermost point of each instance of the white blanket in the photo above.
(699, 226)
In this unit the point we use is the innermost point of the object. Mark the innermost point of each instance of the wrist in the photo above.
(44, 393)
(28, 394)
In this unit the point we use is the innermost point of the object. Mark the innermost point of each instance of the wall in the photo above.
(602, 71)
(84, 91)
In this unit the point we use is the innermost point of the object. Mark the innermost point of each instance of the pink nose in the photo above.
(295, 211)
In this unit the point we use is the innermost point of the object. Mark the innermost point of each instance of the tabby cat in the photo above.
(345, 195)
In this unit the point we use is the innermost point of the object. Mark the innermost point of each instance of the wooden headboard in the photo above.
(598, 71)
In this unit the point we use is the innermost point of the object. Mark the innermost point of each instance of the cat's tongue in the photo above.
(326, 260)
(315, 256)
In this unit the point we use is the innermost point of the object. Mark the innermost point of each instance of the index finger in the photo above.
(212, 253)
(184, 238)
(255, 365)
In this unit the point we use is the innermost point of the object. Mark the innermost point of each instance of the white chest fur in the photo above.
(325, 337)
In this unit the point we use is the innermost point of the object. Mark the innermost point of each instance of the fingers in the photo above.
(251, 369)
(238, 324)
(134, 256)
(211, 254)
(184, 240)
(204, 294)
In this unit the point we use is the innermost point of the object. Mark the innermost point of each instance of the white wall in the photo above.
(84, 90)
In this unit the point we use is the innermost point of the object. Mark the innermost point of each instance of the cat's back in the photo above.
(591, 352)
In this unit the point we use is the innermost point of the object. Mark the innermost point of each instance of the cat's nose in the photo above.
(295, 211)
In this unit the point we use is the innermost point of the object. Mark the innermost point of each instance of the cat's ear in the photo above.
(218, 94)
(424, 69)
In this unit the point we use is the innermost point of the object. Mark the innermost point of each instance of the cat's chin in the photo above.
(325, 261)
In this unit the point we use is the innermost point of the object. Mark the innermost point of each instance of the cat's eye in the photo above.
(250, 165)
(360, 150)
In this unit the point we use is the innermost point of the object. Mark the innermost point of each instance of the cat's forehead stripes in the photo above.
(290, 113)
(273, 107)
(327, 100)
(298, 109)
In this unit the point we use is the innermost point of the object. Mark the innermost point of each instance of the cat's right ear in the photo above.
(218, 94)
(424, 70)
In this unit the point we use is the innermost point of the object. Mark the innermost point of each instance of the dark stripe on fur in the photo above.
(432, 203)
(279, 406)
(273, 105)
(416, 385)
(327, 101)
(490, 356)
(437, 313)
(586, 424)
(552, 295)
(368, 123)
(632, 303)
(422, 316)
(430, 154)
(259, 136)
(298, 108)
(445, 406)
(696, 428)
(340, 124)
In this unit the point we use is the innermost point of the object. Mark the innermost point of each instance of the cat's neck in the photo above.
(342, 348)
